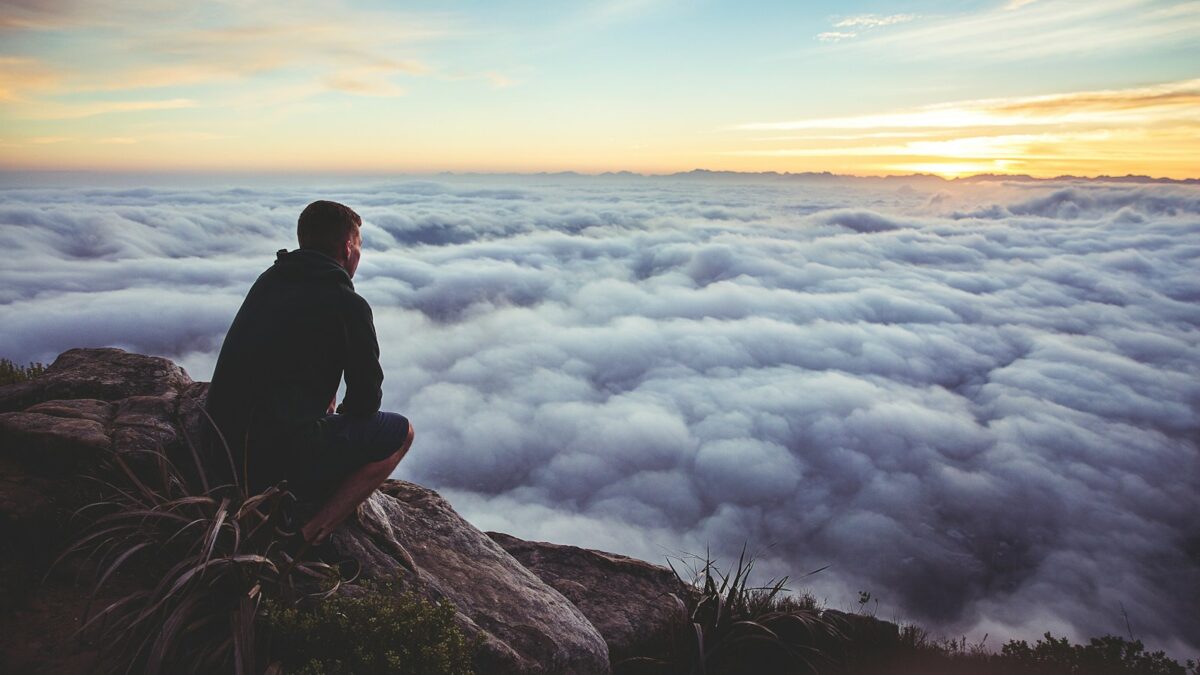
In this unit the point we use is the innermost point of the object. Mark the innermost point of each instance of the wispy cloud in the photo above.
(21, 77)
(1040, 29)
(163, 137)
(59, 111)
(854, 25)
(873, 20)
(1138, 105)
(333, 47)
(348, 83)
(835, 36)
(1157, 123)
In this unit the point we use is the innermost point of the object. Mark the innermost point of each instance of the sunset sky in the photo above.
(1043, 87)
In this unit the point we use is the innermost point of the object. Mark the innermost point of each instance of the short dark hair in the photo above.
(326, 226)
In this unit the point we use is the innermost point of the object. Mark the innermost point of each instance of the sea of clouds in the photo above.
(979, 402)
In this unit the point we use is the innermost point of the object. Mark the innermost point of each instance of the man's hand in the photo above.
(332, 405)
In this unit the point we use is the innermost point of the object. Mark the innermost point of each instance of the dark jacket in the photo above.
(300, 328)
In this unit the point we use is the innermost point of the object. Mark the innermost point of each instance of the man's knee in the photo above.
(408, 441)
(396, 456)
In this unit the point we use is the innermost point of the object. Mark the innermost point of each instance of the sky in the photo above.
(978, 401)
(1043, 87)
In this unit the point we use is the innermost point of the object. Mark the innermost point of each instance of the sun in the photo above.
(957, 169)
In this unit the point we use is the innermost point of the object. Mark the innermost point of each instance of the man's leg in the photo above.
(351, 492)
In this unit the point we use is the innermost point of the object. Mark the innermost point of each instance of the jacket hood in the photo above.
(306, 263)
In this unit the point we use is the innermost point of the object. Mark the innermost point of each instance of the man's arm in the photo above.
(364, 376)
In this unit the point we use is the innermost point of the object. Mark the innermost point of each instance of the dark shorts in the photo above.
(340, 445)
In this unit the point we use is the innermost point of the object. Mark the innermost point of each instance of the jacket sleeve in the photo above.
(364, 376)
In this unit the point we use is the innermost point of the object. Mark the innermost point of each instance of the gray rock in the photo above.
(50, 445)
(635, 605)
(146, 423)
(409, 532)
(107, 374)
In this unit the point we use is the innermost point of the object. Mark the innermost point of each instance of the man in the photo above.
(300, 328)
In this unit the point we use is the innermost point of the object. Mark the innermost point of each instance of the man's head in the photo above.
(332, 229)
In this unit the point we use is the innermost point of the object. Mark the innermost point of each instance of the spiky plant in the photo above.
(212, 554)
(734, 627)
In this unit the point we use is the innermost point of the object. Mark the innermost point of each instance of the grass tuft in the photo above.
(734, 627)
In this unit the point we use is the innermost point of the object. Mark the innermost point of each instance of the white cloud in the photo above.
(873, 20)
(862, 22)
(979, 401)
(835, 36)
(1040, 29)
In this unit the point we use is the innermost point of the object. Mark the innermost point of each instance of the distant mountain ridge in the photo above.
(708, 174)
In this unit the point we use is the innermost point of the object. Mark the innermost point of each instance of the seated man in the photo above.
(300, 328)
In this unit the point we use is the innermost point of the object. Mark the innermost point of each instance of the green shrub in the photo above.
(381, 631)
(11, 373)
(1108, 655)
(921, 655)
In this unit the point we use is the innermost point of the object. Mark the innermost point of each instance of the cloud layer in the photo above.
(979, 402)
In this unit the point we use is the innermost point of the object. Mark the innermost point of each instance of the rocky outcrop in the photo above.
(103, 374)
(409, 532)
(54, 430)
(91, 403)
(635, 605)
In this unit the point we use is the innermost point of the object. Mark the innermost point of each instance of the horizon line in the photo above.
(692, 173)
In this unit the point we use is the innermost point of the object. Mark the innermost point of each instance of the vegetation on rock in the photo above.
(379, 631)
(735, 628)
(738, 628)
(12, 373)
(918, 654)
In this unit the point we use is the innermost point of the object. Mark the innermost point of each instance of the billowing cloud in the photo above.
(979, 401)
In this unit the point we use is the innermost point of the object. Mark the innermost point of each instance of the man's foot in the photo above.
(302, 548)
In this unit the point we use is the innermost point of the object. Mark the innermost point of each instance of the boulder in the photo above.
(106, 374)
(410, 532)
(50, 444)
(634, 604)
